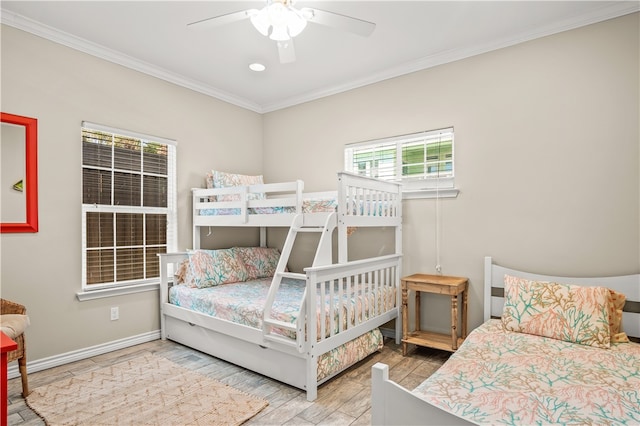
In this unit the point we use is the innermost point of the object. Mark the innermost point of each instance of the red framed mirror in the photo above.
(19, 144)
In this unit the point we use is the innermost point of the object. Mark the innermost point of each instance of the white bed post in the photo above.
(398, 320)
(487, 287)
(196, 212)
(299, 192)
(164, 292)
(343, 255)
(312, 338)
(379, 375)
(263, 236)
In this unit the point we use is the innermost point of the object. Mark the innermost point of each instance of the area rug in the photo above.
(146, 390)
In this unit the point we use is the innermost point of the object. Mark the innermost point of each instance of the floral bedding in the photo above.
(243, 303)
(309, 205)
(504, 377)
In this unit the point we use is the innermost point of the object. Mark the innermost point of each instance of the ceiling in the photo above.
(153, 37)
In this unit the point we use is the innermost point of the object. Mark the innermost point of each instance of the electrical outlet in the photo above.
(115, 313)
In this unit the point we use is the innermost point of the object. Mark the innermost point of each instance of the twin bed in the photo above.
(563, 365)
(243, 305)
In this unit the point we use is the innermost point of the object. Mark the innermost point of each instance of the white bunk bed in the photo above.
(341, 287)
(392, 404)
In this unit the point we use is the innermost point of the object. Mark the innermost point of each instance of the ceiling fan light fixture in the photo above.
(296, 23)
(279, 33)
(281, 21)
(260, 20)
(278, 20)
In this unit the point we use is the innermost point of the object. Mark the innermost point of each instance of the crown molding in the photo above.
(613, 10)
(609, 11)
(49, 33)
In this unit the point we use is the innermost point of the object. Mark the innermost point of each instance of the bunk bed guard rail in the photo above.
(374, 285)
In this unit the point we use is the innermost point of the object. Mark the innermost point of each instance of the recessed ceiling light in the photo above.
(257, 67)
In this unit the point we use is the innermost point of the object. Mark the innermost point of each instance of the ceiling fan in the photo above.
(281, 21)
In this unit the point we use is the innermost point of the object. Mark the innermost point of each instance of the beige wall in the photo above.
(547, 162)
(546, 146)
(62, 87)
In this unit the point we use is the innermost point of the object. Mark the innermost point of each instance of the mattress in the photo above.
(500, 377)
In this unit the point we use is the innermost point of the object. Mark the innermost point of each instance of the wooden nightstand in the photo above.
(438, 284)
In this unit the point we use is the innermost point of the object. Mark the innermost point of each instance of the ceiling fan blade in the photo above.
(343, 22)
(217, 21)
(286, 51)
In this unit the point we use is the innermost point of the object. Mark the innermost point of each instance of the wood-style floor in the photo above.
(343, 400)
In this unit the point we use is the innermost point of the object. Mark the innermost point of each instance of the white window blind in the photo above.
(422, 160)
(128, 206)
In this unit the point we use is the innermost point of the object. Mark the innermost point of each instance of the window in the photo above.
(421, 161)
(128, 206)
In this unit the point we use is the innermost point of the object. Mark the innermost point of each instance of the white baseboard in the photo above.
(80, 354)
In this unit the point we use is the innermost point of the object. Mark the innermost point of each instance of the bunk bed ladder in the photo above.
(323, 256)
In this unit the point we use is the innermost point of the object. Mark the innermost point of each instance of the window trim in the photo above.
(100, 293)
(429, 193)
(412, 188)
(146, 284)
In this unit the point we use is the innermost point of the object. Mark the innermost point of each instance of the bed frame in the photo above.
(361, 202)
(392, 404)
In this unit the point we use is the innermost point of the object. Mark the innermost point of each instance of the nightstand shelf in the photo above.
(432, 340)
(435, 284)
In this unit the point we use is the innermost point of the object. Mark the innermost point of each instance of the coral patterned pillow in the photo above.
(183, 274)
(559, 311)
(220, 179)
(209, 268)
(261, 262)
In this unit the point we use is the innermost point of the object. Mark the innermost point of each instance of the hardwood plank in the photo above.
(283, 413)
(328, 402)
(343, 400)
(359, 404)
(337, 418)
